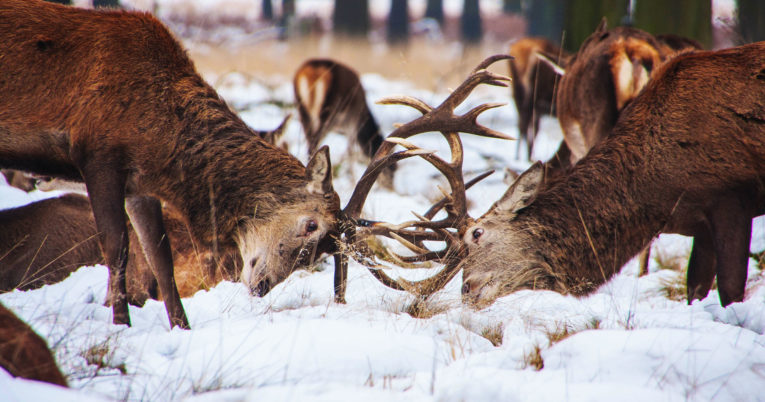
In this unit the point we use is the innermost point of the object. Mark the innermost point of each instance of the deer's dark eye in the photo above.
(477, 233)
(311, 226)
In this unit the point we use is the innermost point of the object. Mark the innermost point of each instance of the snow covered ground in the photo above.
(628, 341)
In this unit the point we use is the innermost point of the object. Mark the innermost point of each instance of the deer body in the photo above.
(609, 70)
(686, 156)
(330, 97)
(110, 98)
(534, 85)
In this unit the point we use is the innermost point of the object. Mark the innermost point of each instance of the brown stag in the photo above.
(330, 97)
(534, 85)
(686, 156)
(23, 353)
(111, 98)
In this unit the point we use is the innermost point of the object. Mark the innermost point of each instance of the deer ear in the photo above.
(523, 191)
(603, 26)
(319, 172)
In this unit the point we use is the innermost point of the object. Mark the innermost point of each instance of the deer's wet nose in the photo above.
(263, 287)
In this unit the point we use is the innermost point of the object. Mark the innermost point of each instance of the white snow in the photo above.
(628, 340)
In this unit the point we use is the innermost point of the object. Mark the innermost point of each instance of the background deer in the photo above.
(534, 85)
(45, 241)
(330, 97)
(605, 75)
(687, 156)
(110, 98)
(23, 353)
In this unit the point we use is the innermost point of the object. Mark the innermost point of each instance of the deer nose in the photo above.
(263, 287)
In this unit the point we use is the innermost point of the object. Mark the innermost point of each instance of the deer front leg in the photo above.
(146, 217)
(106, 189)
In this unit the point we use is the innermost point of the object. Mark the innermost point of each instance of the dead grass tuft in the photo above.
(494, 333)
(101, 357)
(534, 359)
(425, 308)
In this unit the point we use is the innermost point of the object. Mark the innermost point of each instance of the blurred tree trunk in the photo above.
(470, 22)
(267, 10)
(64, 2)
(398, 21)
(751, 20)
(435, 10)
(545, 19)
(285, 22)
(351, 17)
(106, 3)
(689, 18)
(512, 6)
(583, 16)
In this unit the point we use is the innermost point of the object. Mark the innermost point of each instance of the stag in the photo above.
(23, 353)
(330, 97)
(111, 98)
(534, 85)
(686, 156)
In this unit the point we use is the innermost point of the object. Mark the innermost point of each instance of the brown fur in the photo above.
(686, 156)
(45, 241)
(534, 84)
(109, 97)
(23, 353)
(609, 70)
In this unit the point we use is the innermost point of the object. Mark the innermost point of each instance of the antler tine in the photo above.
(442, 202)
(491, 60)
(410, 101)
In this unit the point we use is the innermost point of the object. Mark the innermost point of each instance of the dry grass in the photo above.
(429, 64)
(425, 308)
(494, 333)
(101, 357)
(534, 359)
(669, 260)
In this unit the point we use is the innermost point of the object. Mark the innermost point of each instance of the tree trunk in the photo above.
(398, 21)
(751, 20)
(470, 22)
(583, 16)
(545, 19)
(267, 10)
(689, 18)
(512, 6)
(435, 10)
(351, 17)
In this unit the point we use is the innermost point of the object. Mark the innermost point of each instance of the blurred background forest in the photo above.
(430, 42)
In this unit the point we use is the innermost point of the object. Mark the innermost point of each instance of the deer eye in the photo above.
(477, 233)
(311, 226)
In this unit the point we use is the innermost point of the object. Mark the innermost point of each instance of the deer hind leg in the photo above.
(732, 233)
(146, 217)
(106, 188)
(341, 277)
(701, 266)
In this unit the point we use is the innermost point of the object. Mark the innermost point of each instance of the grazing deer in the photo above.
(330, 97)
(111, 98)
(686, 156)
(534, 85)
(604, 76)
(25, 354)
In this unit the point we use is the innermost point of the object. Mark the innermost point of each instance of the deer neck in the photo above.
(219, 172)
(587, 225)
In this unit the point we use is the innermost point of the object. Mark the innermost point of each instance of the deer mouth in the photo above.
(262, 288)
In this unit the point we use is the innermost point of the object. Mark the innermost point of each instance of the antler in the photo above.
(412, 234)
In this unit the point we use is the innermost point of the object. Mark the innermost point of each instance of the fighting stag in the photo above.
(412, 234)
(686, 156)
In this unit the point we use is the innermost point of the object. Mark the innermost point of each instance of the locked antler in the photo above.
(413, 233)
